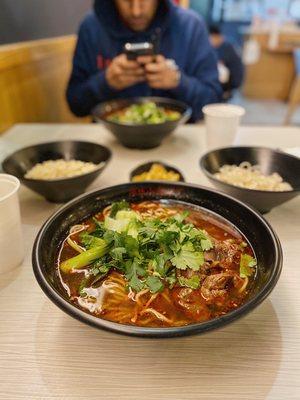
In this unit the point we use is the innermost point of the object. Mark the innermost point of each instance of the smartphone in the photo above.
(134, 50)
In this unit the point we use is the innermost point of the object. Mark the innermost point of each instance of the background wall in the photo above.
(22, 20)
(203, 7)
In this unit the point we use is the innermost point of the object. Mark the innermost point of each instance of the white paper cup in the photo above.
(222, 122)
(11, 241)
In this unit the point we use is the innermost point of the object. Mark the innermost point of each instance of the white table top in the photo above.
(45, 354)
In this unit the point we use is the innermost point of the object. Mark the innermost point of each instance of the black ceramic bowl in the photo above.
(250, 223)
(147, 166)
(269, 161)
(58, 190)
(144, 136)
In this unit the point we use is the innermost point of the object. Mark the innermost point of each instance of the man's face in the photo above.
(215, 40)
(137, 14)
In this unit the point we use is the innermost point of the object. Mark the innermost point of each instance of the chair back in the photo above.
(33, 81)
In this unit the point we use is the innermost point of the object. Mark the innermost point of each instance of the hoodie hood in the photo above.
(109, 18)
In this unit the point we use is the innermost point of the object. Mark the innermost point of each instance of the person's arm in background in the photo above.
(86, 87)
(89, 86)
(199, 84)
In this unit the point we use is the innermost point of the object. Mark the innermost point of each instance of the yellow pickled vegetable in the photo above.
(157, 172)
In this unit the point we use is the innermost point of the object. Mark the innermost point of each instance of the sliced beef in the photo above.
(224, 252)
(191, 303)
(216, 285)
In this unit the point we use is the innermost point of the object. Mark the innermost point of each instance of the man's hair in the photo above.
(215, 29)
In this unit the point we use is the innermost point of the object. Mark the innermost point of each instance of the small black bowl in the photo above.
(58, 190)
(146, 167)
(269, 161)
(145, 136)
(250, 223)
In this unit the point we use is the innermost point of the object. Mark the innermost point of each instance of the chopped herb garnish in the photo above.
(154, 284)
(247, 263)
(187, 257)
(192, 282)
(148, 251)
(171, 279)
(89, 241)
(82, 286)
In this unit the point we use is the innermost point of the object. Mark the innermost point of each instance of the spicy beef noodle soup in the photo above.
(156, 264)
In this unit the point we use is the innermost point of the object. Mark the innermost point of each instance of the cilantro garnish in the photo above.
(192, 282)
(187, 257)
(134, 270)
(247, 263)
(148, 251)
(89, 241)
(154, 284)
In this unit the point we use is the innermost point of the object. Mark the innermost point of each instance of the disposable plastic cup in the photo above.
(11, 240)
(222, 122)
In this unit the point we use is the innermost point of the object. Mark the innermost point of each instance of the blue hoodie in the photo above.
(183, 38)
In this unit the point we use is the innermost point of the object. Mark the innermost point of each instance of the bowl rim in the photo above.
(185, 115)
(167, 166)
(145, 332)
(240, 111)
(57, 180)
(212, 177)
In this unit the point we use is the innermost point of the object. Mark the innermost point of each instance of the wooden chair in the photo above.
(294, 97)
(33, 80)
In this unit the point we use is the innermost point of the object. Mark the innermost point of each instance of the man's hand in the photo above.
(123, 73)
(161, 74)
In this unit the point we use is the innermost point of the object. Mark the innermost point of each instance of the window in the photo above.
(295, 9)
(244, 10)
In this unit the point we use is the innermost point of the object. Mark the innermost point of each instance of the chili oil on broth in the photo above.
(174, 307)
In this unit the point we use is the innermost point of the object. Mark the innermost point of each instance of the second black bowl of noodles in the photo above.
(269, 161)
(58, 190)
(250, 223)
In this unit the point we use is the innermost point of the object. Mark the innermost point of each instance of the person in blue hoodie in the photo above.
(184, 69)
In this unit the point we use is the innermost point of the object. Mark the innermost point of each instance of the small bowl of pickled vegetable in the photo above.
(156, 171)
(142, 122)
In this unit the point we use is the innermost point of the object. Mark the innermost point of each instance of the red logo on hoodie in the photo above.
(102, 63)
